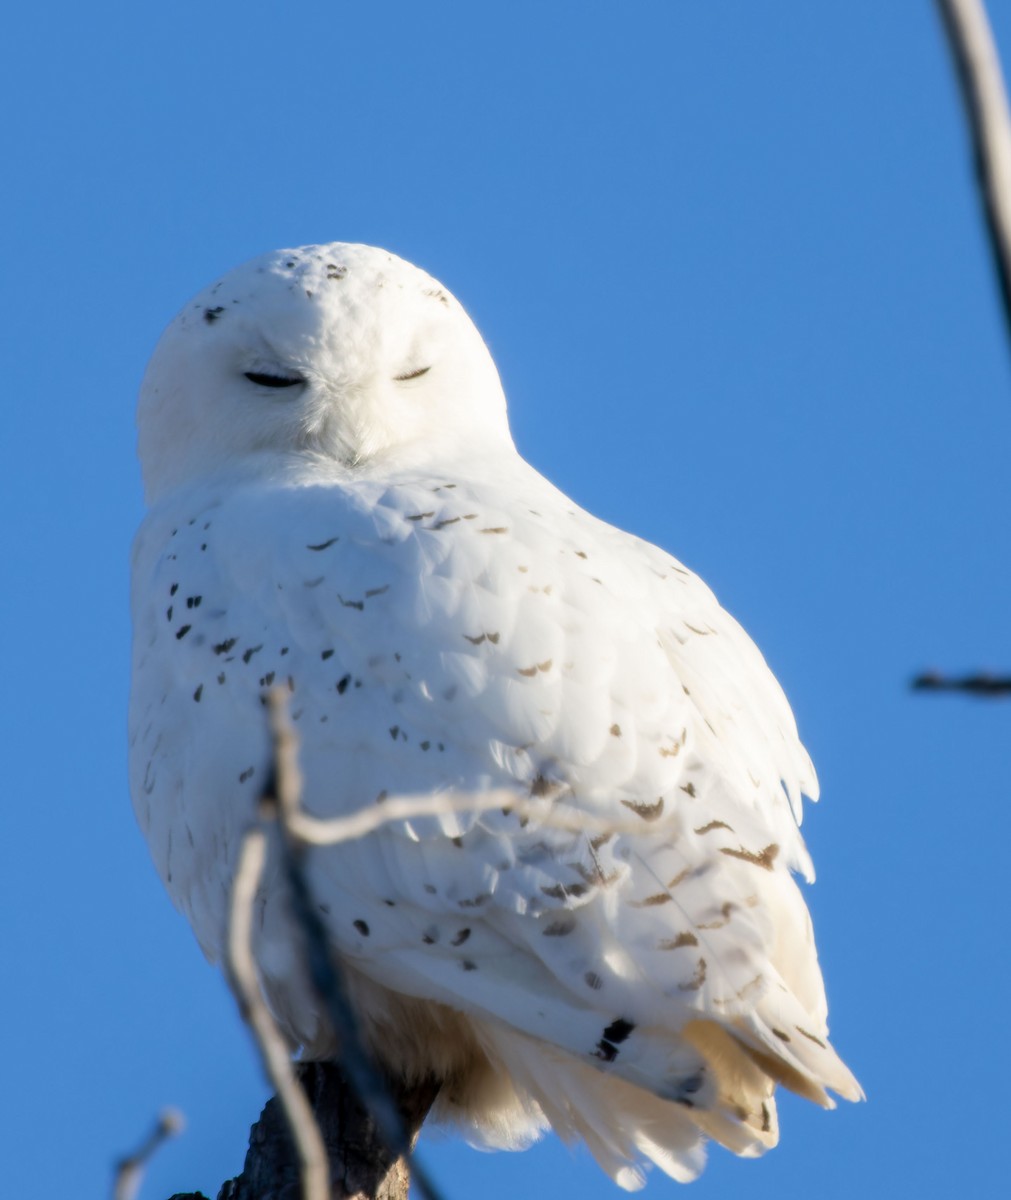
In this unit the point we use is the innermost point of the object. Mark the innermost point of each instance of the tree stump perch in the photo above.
(361, 1166)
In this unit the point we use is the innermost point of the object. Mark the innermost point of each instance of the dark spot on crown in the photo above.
(461, 937)
(225, 646)
(182, 631)
(212, 314)
(342, 686)
(362, 927)
(198, 693)
(248, 654)
(326, 654)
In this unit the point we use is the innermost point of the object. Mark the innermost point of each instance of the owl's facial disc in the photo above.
(341, 352)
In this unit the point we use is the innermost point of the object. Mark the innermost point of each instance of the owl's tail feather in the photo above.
(625, 1127)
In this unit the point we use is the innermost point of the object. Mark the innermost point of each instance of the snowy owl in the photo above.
(337, 508)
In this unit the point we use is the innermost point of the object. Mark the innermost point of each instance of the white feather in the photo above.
(446, 619)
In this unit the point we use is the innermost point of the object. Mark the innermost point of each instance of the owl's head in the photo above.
(341, 353)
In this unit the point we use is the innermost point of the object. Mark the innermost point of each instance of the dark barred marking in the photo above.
(618, 1030)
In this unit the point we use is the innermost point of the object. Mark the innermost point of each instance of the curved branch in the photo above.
(312, 1158)
(982, 84)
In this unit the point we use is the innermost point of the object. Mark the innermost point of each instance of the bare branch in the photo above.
(986, 105)
(977, 65)
(980, 684)
(130, 1170)
(548, 814)
(365, 1078)
(315, 1171)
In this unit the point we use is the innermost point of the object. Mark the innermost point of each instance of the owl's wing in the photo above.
(452, 635)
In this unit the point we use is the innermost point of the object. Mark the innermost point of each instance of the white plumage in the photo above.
(336, 506)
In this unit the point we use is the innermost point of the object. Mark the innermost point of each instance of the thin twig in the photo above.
(312, 1156)
(364, 1076)
(980, 684)
(130, 1170)
(318, 831)
(986, 105)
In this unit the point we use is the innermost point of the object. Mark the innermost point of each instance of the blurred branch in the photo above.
(312, 1166)
(130, 1170)
(977, 66)
(330, 1130)
(367, 1082)
(980, 684)
(979, 75)
(548, 814)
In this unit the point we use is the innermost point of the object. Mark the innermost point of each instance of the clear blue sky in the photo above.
(729, 260)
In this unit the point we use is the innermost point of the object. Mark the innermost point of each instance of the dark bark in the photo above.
(361, 1167)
